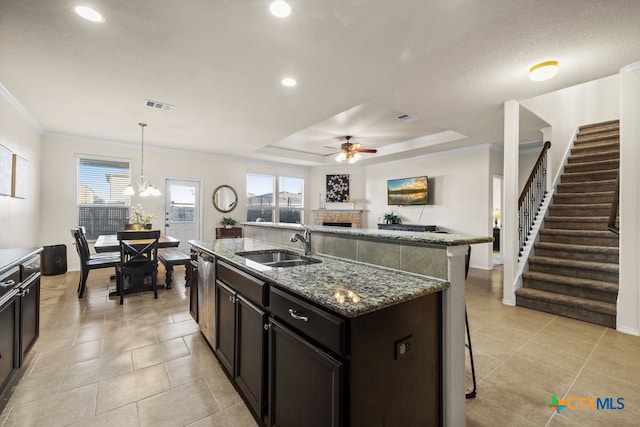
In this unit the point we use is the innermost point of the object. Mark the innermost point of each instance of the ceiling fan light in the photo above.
(341, 157)
(355, 158)
(543, 71)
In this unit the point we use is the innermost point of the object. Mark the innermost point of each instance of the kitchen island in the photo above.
(332, 342)
(439, 255)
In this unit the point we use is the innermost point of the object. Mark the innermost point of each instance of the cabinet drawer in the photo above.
(319, 325)
(251, 288)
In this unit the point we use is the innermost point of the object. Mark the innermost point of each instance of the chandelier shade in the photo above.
(145, 187)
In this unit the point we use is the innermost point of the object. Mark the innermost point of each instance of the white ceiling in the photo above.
(359, 64)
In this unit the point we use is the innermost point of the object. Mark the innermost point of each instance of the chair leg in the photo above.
(84, 274)
(472, 393)
(154, 284)
(168, 276)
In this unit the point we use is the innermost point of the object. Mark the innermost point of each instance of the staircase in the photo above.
(574, 271)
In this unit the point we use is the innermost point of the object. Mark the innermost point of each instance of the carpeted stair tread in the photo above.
(603, 155)
(589, 175)
(595, 147)
(586, 186)
(578, 233)
(584, 198)
(600, 126)
(596, 137)
(582, 265)
(569, 301)
(577, 282)
(596, 165)
(583, 248)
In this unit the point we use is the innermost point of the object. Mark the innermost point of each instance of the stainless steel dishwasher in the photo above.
(206, 296)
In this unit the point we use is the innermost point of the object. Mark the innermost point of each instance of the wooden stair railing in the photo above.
(532, 196)
(613, 225)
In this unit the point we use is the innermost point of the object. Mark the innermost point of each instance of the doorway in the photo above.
(497, 210)
(182, 211)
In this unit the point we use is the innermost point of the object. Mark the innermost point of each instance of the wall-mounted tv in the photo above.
(408, 191)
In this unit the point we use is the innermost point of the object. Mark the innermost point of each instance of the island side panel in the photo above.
(390, 384)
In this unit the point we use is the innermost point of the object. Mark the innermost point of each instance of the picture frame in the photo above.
(337, 188)
(20, 174)
(6, 170)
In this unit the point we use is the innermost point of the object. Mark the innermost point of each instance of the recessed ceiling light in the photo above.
(89, 14)
(543, 71)
(280, 9)
(288, 82)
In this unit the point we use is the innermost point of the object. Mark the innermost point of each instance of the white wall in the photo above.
(566, 109)
(459, 194)
(19, 218)
(59, 182)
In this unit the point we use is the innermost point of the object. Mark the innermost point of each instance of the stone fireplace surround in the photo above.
(348, 216)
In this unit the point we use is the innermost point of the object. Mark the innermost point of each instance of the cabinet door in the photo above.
(305, 384)
(251, 353)
(29, 315)
(8, 340)
(225, 313)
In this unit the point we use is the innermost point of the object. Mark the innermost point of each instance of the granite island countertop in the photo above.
(433, 238)
(348, 288)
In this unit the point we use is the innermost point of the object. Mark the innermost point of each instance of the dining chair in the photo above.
(139, 259)
(90, 262)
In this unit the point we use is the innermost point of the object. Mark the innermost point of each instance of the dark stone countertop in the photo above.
(348, 288)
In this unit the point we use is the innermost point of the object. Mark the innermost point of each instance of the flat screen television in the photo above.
(408, 191)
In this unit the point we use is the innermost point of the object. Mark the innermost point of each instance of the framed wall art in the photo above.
(337, 188)
(20, 176)
(6, 167)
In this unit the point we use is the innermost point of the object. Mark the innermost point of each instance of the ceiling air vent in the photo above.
(159, 105)
(406, 118)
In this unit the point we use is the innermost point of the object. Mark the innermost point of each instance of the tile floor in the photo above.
(145, 363)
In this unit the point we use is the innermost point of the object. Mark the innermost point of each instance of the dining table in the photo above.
(110, 243)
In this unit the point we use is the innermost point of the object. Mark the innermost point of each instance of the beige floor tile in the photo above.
(60, 409)
(65, 356)
(158, 353)
(162, 409)
(576, 329)
(129, 340)
(525, 399)
(126, 416)
(528, 371)
(107, 366)
(34, 386)
(175, 330)
(129, 388)
(234, 416)
(482, 412)
(567, 344)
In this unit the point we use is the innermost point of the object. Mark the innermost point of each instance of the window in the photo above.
(262, 206)
(102, 208)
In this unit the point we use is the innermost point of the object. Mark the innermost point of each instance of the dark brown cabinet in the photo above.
(251, 352)
(193, 288)
(305, 383)
(241, 333)
(9, 322)
(226, 326)
(29, 315)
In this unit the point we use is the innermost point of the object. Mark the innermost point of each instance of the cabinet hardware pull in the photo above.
(267, 326)
(10, 282)
(296, 316)
(232, 298)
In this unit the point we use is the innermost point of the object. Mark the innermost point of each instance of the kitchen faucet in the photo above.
(306, 239)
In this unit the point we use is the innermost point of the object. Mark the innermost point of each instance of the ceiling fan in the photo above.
(351, 151)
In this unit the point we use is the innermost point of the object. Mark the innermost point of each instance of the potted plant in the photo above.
(228, 222)
(392, 218)
(140, 220)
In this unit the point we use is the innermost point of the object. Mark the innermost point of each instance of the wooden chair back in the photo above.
(139, 249)
(82, 247)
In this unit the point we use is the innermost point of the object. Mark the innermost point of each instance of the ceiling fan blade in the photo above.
(367, 150)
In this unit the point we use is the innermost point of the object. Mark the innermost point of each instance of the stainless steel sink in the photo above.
(278, 258)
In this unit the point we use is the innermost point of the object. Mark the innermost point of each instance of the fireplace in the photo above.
(337, 217)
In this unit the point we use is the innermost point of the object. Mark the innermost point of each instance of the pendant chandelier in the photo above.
(145, 188)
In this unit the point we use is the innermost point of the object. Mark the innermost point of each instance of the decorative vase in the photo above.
(137, 227)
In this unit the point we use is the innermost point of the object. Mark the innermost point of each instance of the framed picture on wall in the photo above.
(6, 167)
(20, 176)
(337, 188)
